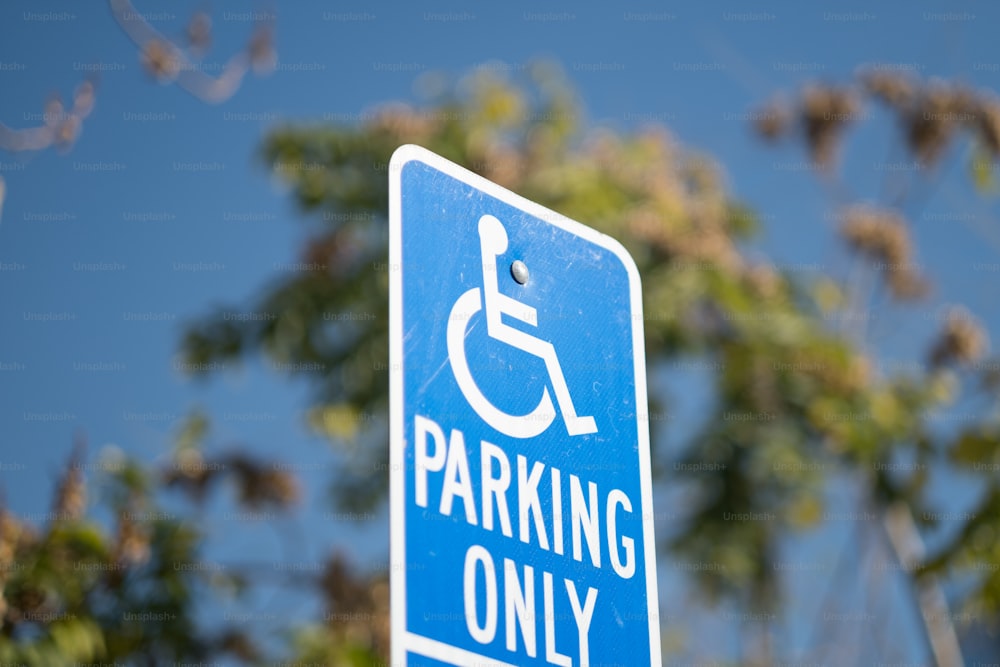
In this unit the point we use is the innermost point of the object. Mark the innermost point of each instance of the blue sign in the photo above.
(521, 504)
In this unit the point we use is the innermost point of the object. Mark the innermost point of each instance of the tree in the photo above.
(930, 118)
(797, 404)
(76, 591)
(165, 60)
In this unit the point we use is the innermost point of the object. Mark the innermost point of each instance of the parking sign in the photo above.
(521, 501)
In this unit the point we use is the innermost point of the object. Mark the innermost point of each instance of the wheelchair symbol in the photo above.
(493, 242)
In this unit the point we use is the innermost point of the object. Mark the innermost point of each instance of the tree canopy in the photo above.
(797, 404)
(790, 390)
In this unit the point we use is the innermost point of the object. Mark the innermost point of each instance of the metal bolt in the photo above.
(519, 271)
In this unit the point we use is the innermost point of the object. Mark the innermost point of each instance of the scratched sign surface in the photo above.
(521, 505)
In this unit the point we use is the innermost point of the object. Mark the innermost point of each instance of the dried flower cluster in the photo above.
(822, 113)
(961, 341)
(132, 540)
(168, 62)
(258, 484)
(681, 211)
(161, 60)
(199, 33)
(70, 501)
(502, 164)
(402, 122)
(765, 282)
(773, 120)
(61, 126)
(263, 56)
(883, 236)
(825, 112)
(930, 113)
(891, 88)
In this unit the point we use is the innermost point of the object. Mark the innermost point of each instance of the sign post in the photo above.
(521, 501)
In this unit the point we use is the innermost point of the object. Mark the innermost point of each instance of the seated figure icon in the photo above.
(493, 243)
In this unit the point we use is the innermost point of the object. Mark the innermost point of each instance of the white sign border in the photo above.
(401, 639)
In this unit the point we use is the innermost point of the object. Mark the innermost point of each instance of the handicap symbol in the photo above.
(493, 242)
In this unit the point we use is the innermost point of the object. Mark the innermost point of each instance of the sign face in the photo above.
(521, 505)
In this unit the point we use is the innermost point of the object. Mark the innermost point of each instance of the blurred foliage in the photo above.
(136, 590)
(932, 117)
(75, 590)
(797, 402)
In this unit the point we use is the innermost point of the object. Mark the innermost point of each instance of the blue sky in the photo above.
(168, 194)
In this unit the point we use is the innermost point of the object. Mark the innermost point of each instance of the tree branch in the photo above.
(909, 550)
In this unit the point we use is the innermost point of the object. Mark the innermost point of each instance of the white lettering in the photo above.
(519, 602)
(423, 463)
(626, 570)
(557, 528)
(551, 655)
(457, 480)
(583, 618)
(527, 499)
(495, 487)
(444, 460)
(585, 517)
(484, 633)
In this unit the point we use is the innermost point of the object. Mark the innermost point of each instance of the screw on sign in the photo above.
(521, 500)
